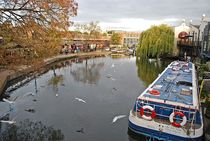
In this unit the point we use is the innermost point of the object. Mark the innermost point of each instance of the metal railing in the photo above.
(190, 114)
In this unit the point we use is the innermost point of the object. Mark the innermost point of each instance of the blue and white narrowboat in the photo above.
(169, 108)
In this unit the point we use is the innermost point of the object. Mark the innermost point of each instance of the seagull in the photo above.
(109, 76)
(118, 117)
(81, 100)
(112, 66)
(29, 94)
(8, 121)
(113, 79)
(8, 101)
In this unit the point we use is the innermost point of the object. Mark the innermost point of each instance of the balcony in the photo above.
(187, 43)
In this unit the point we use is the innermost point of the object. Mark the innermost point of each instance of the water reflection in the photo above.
(134, 137)
(29, 130)
(149, 69)
(91, 121)
(88, 73)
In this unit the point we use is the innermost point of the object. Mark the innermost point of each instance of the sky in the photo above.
(139, 15)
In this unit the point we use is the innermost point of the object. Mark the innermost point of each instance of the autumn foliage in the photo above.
(36, 25)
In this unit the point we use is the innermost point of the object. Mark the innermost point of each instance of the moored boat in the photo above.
(169, 108)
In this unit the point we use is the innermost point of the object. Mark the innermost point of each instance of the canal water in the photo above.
(77, 100)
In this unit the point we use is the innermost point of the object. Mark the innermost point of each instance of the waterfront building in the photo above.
(128, 39)
(205, 50)
(189, 39)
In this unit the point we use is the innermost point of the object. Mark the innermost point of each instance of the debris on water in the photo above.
(63, 85)
(42, 86)
(34, 100)
(118, 117)
(56, 95)
(112, 66)
(81, 100)
(81, 131)
(30, 110)
(114, 89)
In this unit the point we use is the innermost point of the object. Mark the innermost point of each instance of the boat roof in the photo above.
(176, 85)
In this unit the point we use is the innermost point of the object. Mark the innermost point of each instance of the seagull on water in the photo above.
(29, 94)
(118, 117)
(81, 100)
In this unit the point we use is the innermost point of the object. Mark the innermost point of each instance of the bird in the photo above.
(29, 94)
(118, 117)
(112, 66)
(81, 100)
(8, 121)
(109, 76)
(113, 79)
(8, 101)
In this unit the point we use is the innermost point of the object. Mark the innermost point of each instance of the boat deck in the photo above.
(175, 84)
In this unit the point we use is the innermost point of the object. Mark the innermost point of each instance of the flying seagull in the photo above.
(112, 66)
(81, 100)
(8, 121)
(118, 117)
(8, 101)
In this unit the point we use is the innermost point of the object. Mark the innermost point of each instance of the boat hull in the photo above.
(167, 133)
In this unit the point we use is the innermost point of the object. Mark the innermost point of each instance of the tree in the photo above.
(116, 38)
(30, 130)
(156, 41)
(36, 24)
(47, 13)
(90, 30)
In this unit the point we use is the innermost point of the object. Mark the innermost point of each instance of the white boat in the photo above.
(169, 108)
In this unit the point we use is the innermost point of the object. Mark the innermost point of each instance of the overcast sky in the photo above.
(138, 15)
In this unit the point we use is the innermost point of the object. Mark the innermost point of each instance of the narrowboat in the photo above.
(169, 108)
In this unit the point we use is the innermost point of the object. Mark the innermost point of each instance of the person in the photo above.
(62, 49)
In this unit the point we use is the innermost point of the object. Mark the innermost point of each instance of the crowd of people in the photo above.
(65, 49)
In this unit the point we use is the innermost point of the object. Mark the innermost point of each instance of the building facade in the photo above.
(131, 39)
(206, 41)
(128, 39)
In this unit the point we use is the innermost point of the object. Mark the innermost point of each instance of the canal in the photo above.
(77, 100)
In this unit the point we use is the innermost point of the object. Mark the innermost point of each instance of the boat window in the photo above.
(185, 91)
(186, 83)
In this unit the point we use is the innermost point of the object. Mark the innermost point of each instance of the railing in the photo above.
(189, 43)
(190, 114)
